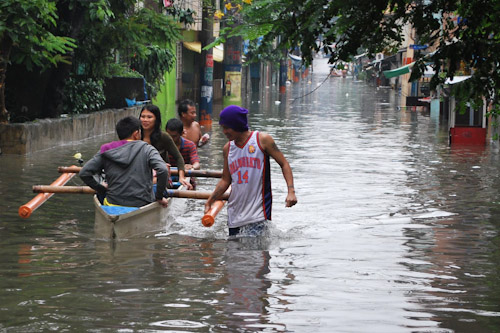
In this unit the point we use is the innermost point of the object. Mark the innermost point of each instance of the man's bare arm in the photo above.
(223, 183)
(272, 150)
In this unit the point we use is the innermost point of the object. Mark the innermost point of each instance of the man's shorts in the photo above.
(250, 230)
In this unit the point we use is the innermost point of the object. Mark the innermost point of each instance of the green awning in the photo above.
(398, 71)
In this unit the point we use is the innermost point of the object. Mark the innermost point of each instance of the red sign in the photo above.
(209, 60)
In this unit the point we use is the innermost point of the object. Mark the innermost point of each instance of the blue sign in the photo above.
(418, 47)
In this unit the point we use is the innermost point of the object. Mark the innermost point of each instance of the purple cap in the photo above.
(234, 117)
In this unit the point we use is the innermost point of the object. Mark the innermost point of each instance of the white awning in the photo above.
(457, 79)
(429, 71)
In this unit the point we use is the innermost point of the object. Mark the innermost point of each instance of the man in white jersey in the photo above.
(247, 170)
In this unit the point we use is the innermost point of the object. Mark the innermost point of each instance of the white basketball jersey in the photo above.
(250, 199)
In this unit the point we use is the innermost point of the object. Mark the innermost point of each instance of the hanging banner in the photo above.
(232, 81)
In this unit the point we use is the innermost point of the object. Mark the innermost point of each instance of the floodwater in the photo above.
(394, 231)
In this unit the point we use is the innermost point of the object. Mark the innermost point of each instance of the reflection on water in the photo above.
(394, 231)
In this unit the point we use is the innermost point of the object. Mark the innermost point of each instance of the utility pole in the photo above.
(207, 75)
(232, 70)
(283, 72)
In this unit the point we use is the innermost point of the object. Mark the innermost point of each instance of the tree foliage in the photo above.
(26, 38)
(86, 38)
(83, 95)
(25, 25)
(238, 20)
(465, 33)
(141, 38)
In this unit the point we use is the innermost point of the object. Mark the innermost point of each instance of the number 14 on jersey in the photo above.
(243, 178)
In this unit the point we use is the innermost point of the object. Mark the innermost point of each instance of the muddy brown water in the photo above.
(394, 231)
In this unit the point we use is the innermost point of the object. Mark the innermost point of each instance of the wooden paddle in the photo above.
(173, 172)
(27, 209)
(87, 190)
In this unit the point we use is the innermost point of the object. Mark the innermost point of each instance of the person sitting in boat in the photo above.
(150, 118)
(188, 149)
(247, 171)
(128, 165)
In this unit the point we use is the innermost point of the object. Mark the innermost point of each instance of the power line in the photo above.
(319, 85)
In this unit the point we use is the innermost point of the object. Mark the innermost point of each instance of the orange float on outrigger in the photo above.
(27, 209)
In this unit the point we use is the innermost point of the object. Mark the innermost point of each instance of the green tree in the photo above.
(141, 39)
(96, 35)
(74, 15)
(25, 38)
(110, 31)
(463, 31)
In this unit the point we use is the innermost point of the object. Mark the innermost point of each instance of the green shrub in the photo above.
(153, 66)
(122, 70)
(83, 95)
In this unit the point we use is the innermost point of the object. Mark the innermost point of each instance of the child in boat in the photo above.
(128, 165)
(247, 170)
(187, 148)
(192, 129)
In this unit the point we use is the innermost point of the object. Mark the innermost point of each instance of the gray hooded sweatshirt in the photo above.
(129, 175)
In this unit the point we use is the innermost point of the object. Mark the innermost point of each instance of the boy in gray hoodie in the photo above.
(128, 165)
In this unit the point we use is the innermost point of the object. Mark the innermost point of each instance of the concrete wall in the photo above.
(26, 138)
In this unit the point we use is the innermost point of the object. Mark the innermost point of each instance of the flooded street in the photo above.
(394, 231)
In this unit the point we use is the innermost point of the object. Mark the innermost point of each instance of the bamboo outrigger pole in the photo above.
(209, 218)
(47, 191)
(87, 190)
(173, 172)
(27, 209)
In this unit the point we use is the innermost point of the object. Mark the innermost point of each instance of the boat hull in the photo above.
(145, 220)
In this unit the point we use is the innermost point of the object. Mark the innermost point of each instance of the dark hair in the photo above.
(125, 127)
(183, 106)
(156, 135)
(175, 125)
